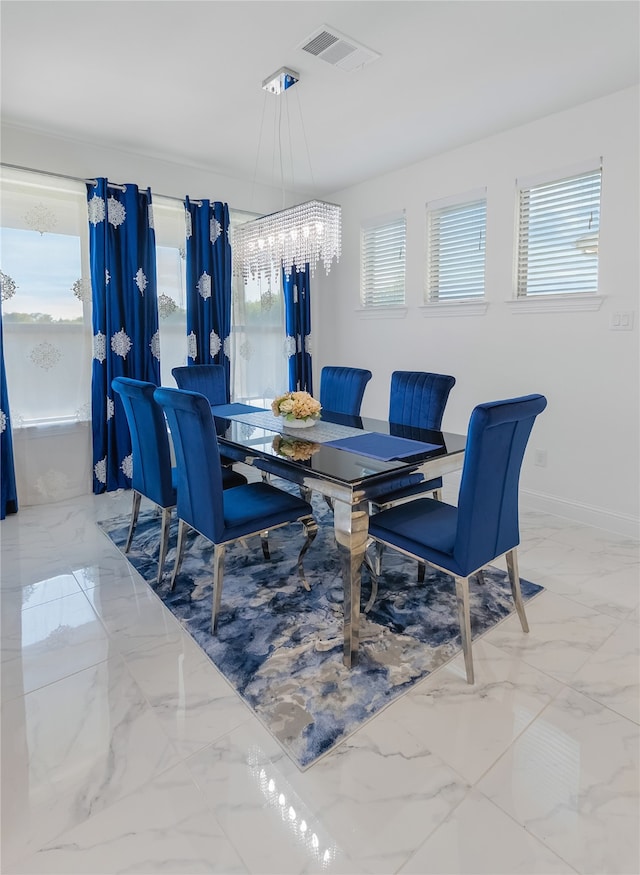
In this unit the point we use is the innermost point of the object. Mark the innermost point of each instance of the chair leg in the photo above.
(379, 553)
(311, 530)
(437, 494)
(182, 526)
(264, 540)
(135, 510)
(421, 571)
(306, 493)
(373, 574)
(164, 540)
(480, 577)
(464, 619)
(514, 580)
(218, 577)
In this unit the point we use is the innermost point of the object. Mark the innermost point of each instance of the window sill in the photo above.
(555, 304)
(382, 312)
(455, 308)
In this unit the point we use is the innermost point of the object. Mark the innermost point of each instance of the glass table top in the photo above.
(296, 448)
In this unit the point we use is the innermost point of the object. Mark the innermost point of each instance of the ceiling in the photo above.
(181, 80)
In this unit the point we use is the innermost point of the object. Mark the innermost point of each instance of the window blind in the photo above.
(559, 226)
(456, 251)
(383, 256)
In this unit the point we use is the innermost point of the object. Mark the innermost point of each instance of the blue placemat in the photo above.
(382, 446)
(223, 410)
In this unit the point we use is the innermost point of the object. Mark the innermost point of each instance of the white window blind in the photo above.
(456, 251)
(558, 236)
(383, 256)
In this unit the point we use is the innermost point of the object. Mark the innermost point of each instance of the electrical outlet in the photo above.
(540, 458)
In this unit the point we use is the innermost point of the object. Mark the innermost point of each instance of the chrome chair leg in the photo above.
(464, 619)
(135, 510)
(373, 575)
(379, 553)
(311, 530)
(164, 540)
(182, 527)
(514, 580)
(218, 576)
(264, 540)
(479, 575)
(437, 494)
(421, 571)
(306, 493)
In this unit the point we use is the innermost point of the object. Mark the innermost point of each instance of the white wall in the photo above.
(37, 151)
(588, 372)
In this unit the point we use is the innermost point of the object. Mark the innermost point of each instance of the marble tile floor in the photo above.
(124, 750)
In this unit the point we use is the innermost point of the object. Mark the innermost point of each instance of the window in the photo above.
(47, 302)
(259, 358)
(169, 226)
(558, 236)
(383, 256)
(456, 249)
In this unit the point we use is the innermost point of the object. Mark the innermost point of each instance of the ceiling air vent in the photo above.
(338, 50)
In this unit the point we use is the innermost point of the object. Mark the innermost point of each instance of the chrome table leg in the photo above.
(351, 526)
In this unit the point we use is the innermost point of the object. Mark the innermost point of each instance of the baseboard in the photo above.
(621, 524)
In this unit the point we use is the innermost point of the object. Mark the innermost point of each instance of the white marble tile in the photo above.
(55, 639)
(572, 780)
(73, 748)
(380, 793)
(38, 593)
(189, 696)
(479, 839)
(612, 675)
(615, 592)
(164, 826)
(135, 619)
(110, 577)
(470, 726)
(249, 783)
(563, 635)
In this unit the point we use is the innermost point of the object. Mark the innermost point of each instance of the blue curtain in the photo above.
(297, 307)
(125, 319)
(8, 492)
(208, 284)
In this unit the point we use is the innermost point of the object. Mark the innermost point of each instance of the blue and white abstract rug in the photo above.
(280, 646)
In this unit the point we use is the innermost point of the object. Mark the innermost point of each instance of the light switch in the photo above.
(622, 320)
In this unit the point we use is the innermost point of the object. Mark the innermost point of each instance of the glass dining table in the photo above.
(349, 460)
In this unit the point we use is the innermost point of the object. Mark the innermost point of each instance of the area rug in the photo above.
(280, 647)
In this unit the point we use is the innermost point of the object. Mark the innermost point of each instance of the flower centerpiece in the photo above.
(298, 409)
(294, 448)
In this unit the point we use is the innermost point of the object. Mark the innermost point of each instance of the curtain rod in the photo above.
(92, 181)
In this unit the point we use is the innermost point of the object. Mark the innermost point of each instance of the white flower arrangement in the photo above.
(296, 405)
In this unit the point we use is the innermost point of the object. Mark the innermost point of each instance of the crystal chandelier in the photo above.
(296, 236)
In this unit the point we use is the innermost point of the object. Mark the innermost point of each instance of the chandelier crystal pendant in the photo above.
(292, 237)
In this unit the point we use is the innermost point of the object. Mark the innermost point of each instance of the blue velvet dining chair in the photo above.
(222, 516)
(484, 526)
(208, 380)
(153, 476)
(417, 400)
(342, 389)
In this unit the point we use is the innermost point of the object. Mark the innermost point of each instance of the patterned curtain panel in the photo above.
(297, 303)
(208, 284)
(8, 492)
(125, 319)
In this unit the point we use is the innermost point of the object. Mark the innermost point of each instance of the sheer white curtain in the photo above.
(170, 228)
(259, 363)
(46, 304)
